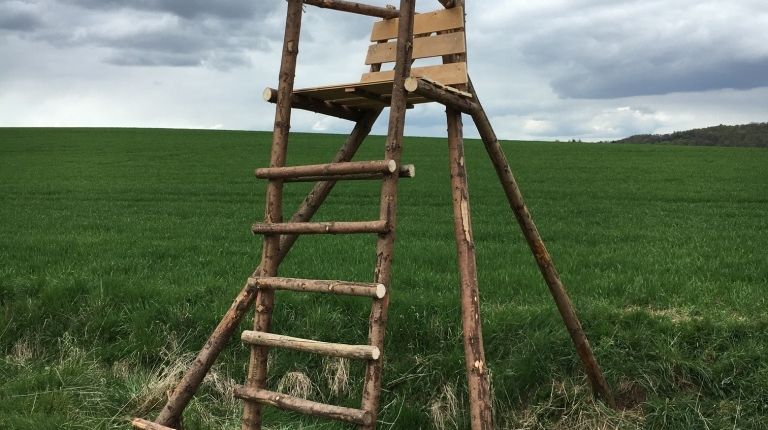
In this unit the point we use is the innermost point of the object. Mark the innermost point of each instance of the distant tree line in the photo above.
(751, 135)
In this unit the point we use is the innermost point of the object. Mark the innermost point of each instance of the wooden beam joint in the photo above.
(450, 97)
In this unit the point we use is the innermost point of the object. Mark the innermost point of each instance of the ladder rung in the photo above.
(319, 286)
(360, 352)
(307, 407)
(321, 227)
(141, 424)
(332, 169)
(405, 171)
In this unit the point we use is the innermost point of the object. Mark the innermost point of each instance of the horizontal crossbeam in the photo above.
(341, 227)
(360, 352)
(307, 407)
(330, 169)
(320, 286)
(359, 8)
(447, 96)
(405, 171)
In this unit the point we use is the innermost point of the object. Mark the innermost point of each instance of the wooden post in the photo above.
(186, 388)
(257, 369)
(478, 380)
(540, 253)
(386, 242)
(480, 407)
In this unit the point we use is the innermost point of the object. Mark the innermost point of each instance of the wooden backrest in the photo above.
(428, 42)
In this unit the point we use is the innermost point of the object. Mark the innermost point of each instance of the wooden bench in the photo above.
(436, 34)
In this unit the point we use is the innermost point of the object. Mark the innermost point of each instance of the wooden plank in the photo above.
(424, 23)
(307, 407)
(338, 92)
(446, 74)
(315, 105)
(423, 47)
(360, 352)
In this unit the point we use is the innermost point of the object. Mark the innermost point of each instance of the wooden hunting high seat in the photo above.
(402, 36)
(436, 34)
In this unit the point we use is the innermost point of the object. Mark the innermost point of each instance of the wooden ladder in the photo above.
(261, 338)
(388, 171)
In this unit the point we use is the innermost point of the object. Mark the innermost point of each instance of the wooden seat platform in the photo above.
(436, 34)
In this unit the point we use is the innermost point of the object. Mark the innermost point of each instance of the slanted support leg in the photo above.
(388, 209)
(540, 253)
(480, 407)
(270, 260)
(186, 388)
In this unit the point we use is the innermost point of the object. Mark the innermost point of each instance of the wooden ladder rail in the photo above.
(262, 321)
(388, 208)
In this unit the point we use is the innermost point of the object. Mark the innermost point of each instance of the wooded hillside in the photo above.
(750, 135)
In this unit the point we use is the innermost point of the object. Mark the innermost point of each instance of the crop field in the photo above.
(120, 249)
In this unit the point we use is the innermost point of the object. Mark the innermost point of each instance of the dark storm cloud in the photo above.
(189, 9)
(650, 48)
(612, 81)
(188, 33)
(15, 17)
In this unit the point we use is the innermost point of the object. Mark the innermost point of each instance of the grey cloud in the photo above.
(650, 49)
(189, 9)
(219, 35)
(612, 81)
(15, 17)
(133, 57)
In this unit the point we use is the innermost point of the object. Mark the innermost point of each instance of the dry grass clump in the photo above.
(571, 406)
(22, 352)
(444, 408)
(336, 374)
(296, 384)
(154, 387)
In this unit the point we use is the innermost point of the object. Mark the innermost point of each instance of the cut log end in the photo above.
(375, 353)
(269, 95)
(411, 84)
(391, 166)
(408, 171)
(381, 291)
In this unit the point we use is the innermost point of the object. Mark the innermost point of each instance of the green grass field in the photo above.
(120, 249)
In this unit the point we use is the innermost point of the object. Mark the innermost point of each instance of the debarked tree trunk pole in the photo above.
(478, 381)
(540, 253)
(273, 213)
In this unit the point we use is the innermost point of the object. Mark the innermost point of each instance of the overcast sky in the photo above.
(544, 69)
